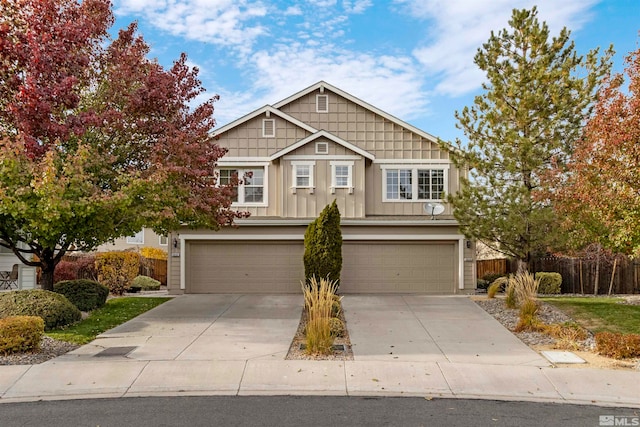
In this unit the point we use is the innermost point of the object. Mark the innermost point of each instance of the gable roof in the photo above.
(322, 134)
(321, 85)
(259, 112)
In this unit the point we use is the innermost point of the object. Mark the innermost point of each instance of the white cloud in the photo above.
(459, 27)
(358, 6)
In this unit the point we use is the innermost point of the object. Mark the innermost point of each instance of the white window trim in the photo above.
(166, 240)
(131, 241)
(324, 144)
(349, 185)
(242, 169)
(414, 180)
(294, 175)
(264, 128)
(318, 110)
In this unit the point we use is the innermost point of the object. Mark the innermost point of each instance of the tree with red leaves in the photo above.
(96, 140)
(599, 193)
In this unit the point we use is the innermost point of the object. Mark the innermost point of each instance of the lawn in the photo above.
(600, 314)
(115, 312)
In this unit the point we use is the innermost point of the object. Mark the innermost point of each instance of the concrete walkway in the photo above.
(235, 345)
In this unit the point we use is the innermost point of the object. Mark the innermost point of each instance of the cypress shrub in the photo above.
(323, 246)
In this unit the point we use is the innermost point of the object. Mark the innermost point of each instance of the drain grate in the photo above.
(335, 347)
(115, 351)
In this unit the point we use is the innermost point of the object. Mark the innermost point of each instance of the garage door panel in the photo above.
(398, 267)
(244, 267)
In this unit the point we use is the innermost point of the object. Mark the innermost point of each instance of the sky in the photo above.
(411, 58)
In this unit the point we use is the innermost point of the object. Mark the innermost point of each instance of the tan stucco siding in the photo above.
(363, 128)
(246, 140)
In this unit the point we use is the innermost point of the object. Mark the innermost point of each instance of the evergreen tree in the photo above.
(323, 245)
(532, 111)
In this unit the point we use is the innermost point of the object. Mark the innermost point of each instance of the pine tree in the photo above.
(323, 245)
(530, 114)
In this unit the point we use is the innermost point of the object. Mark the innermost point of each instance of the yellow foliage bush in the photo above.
(153, 253)
(20, 333)
(116, 270)
(618, 346)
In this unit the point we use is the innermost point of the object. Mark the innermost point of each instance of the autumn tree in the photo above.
(96, 140)
(598, 193)
(534, 105)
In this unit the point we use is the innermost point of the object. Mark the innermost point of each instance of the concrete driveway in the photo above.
(420, 328)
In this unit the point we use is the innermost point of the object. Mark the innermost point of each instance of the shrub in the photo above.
(323, 246)
(20, 333)
(87, 268)
(55, 309)
(319, 297)
(85, 294)
(153, 253)
(528, 320)
(492, 277)
(65, 270)
(550, 283)
(510, 295)
(337, 327)
(145, 283)
(567, 335)
(482, 284)
(117, 270)
(618, 346)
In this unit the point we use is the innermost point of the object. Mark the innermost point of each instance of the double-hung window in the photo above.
(414, 183)
(303, 174)
(251, 186)
(341, 175)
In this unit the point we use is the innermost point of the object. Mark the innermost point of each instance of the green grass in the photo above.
(115, 312)
(600, 314)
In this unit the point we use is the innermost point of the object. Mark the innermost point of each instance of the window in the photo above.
(322, 148)
(303, 174)
(251, 189)
(341, 175)
(136, 239)
(268, 128)
(414, 184)
(163, 240)
(322, 103)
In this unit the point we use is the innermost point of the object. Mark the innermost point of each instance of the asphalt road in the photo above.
(299, 411)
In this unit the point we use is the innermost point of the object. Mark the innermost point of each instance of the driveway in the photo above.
(206, 327)
(420, 328)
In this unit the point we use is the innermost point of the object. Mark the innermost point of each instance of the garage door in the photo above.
(402, 267)
(244, 267)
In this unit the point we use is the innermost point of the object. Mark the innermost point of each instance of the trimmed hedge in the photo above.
(550, 283)
(20, 334)
(55, 309)
(145, 283)
(85, 294)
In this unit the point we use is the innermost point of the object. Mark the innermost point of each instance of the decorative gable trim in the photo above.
(322, 86)
(330, 137)
(267, 111)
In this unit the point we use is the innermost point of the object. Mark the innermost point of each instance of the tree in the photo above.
(532, 110)
(599, 193)
(323, 245)
(96, 140)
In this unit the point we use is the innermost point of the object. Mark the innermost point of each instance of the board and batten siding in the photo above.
(363, 128)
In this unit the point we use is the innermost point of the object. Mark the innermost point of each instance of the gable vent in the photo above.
(268, 128)
(322, 103)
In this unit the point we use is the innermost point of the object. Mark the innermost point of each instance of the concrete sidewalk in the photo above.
(235, 345)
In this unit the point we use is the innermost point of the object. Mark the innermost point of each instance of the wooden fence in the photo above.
(578, 275)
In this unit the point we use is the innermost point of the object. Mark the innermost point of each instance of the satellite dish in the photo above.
(433, 209)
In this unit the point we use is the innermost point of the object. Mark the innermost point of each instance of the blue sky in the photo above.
(411, 58)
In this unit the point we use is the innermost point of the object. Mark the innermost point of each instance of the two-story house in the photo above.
(300, 154)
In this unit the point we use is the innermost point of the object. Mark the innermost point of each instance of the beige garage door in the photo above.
(244, 267)
(402, 267)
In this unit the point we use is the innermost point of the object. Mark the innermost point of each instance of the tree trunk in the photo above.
(595, 283)
(613, 275)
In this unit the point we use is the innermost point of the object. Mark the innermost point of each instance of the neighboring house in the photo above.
(26, 275)
(144, 238)
(297, 156)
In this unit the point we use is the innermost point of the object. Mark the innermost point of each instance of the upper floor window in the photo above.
(414, 184)
(136, 239)
(251, 189)
(163, 240)
(322, 103)
(268, 128)
(342, 175)
(303, 174)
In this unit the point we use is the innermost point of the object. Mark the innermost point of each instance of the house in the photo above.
(26, 275)
(143, 238)
(297, 156)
